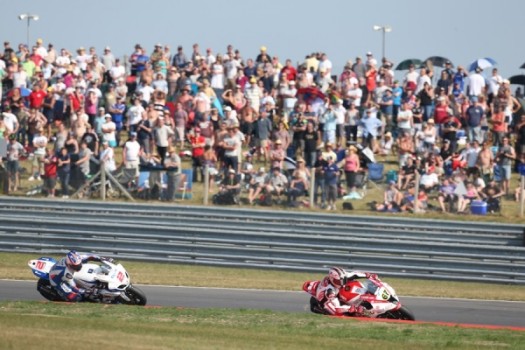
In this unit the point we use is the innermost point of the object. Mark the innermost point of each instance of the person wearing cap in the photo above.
(116, 72)
(133, 59)
(429, 134)
(229, 189)
(40, 48)
(108, 131)
(179, 59)
(473, 117)
(107, 155)
(263, 54)
(100, 119)
(449, 130)
(371, 127)
(173, 166)
(450, 72)
(231, 143)
(262, 132)
(405, 119)
(131, 158)
(505, 156)
(329, 121)
(82, 58)
(162, 136)
(476, 85)
(458, 79)
(156, 55)
(253, 94)
(277, 154)
(330, 176)
(39, 144)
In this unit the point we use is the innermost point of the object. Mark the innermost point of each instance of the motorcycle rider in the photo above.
(327, 291)
(62, 274)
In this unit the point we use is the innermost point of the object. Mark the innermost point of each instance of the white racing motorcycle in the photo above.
(105, 283)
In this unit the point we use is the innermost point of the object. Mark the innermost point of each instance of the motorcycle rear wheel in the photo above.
(47, 291)
(403, 313)
(135, 295)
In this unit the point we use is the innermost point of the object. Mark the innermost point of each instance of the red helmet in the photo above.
(74, 261)
(336, 275)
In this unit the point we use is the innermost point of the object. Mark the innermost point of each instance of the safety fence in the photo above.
(293, 241)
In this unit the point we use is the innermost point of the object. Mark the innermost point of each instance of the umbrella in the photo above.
(522, 66)
(404, 65)
(24, 92)
(482, 63)
(517, 79)
(437, 61)
(311, 93)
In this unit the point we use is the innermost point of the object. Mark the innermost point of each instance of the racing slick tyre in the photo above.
(403, 313)
(44, 287)
(135, 295)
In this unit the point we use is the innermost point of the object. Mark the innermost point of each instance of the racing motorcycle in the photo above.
(105, 283)
(377, 298)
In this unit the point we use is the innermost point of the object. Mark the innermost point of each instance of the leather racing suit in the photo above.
(62, 279)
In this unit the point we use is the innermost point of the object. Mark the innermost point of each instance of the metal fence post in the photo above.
(312, 187)
(102, 180)
(206, 183)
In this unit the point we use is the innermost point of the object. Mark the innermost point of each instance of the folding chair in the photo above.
(376, 173)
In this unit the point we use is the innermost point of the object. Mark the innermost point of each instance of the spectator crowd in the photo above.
(268, 129)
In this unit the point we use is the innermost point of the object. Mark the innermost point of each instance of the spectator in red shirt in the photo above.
(289, 70)
(36, 98)
(441, 111)
(197, 151)
(50, 172)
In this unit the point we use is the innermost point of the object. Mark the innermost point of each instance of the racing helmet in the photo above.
(74, 261)
(337, 276)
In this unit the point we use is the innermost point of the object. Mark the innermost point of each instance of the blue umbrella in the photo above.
(24, 92)
(482, 63)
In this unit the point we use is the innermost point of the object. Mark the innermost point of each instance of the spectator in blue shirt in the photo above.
(370, 125)
(331, 175)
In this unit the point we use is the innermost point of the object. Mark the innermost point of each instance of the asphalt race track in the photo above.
(495, 313)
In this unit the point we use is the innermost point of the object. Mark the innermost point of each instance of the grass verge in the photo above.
(14, 266)
(93, 326)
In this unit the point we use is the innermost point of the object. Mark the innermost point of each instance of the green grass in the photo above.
(509, 214)
(33, 325)
(14, 266)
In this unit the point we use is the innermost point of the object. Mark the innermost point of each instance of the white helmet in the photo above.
(336, 275)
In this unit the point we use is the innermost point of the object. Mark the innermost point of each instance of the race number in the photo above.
(40, 265)
(120, 276)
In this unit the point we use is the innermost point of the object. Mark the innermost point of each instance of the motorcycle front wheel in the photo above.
(135, 295)
(403, 313)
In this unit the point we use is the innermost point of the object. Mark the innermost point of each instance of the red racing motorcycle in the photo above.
(377, 298)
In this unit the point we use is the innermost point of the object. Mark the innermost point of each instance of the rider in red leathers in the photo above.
(327, 291)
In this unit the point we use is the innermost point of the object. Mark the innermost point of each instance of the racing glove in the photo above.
(371, 276)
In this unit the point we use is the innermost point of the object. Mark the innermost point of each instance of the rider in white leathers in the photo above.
(62, 274)
(327, 291)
